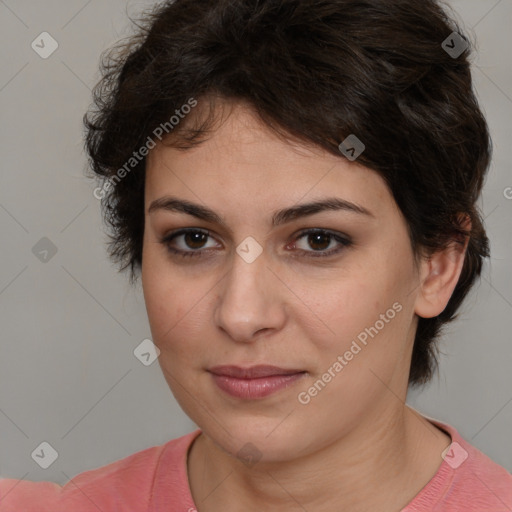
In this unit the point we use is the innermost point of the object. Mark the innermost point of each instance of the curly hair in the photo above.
(317, 71)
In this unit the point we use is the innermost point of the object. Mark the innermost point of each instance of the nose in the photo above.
(251, 300)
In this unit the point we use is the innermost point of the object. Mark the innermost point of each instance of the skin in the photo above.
(355, 442)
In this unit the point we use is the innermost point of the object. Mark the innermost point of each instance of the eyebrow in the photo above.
(173, 204)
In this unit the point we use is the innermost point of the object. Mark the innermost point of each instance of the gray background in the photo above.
(68, 375)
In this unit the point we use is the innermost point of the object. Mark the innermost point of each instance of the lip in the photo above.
(254, 382)
(253, 372)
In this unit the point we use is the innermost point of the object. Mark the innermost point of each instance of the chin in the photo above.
(256, 439)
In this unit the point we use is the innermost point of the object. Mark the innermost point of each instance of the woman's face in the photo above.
(257, 291)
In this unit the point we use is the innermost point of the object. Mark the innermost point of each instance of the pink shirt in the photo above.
(155, 480)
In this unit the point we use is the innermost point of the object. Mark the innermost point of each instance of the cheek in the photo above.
(176, 308)
(167, 305)
(369, 308)
(344, 303)
(164, 296)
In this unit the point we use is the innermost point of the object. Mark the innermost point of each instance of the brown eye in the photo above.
(195, 239)
(187, 242)
(319, 241)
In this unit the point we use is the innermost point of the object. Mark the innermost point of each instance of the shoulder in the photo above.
(467, 480)
(18, 494)
(128, 481)
(125, 481)
(480, 481)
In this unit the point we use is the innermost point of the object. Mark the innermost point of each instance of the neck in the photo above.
(381, 465)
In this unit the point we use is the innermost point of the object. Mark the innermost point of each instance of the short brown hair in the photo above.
(317, 70)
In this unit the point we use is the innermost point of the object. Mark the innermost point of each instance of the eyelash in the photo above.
(344, 242)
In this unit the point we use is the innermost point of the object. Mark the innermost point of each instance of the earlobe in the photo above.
(439, 275)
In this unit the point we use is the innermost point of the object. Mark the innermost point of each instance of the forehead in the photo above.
(243, 163)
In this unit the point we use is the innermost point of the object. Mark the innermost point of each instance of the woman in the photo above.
(296, 184)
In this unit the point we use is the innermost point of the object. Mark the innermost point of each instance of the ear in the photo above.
(440, 273)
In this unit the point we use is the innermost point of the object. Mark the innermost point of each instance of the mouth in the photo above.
(255, 382)
(253, 372)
